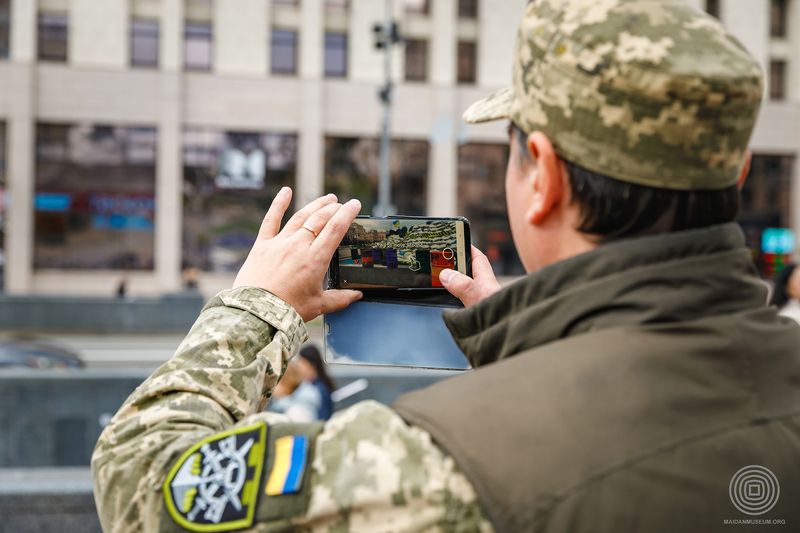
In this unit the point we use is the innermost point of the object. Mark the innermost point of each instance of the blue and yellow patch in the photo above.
(214, 486)
(291, 455)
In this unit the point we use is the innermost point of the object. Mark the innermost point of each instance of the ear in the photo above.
(748, 158)
(548, 184)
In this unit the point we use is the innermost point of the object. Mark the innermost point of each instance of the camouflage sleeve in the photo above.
(371, 471)
(223, 371)
(191, 450)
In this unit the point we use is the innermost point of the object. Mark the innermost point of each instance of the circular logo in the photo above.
(754, 490)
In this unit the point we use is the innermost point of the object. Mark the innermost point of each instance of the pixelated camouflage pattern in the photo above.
(369, 471)
(652, 92)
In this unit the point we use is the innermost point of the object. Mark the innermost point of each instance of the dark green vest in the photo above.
(622, 390)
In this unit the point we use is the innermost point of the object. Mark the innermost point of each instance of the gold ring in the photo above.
(311, 230)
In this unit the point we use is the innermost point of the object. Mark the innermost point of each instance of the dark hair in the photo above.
(612, 209)
(310, 353)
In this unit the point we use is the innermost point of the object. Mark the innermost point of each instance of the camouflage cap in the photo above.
(652, 92)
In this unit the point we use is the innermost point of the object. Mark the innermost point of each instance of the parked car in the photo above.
(36, 353)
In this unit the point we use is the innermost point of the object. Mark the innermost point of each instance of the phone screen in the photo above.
(400, 252)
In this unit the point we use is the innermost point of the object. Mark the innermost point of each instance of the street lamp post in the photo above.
(386, 36)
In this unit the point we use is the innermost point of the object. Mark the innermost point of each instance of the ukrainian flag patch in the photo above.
(291, 455)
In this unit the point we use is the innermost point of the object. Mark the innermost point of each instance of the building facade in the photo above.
(143, 138)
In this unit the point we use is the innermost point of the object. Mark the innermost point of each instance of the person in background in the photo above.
(786, 294)
(304, 392)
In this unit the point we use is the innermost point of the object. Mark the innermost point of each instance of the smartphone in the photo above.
(380, 255)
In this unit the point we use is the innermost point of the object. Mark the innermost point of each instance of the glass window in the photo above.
(417, 7)
(198, 48)
(481, 198)
(777, 79)
(3, 198)
(766, 200)
(337, 5)
(95, 197)
(5, 28)
(335, 55)
(351, 171)
(144, 43)
(229, 180)
(712, 8)
(284, 51)
(416, 60)
(53, 30)
(466, 66)
(468, 9)
(779, 14)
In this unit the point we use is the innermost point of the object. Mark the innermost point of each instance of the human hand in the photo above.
(470, 291)
(793, 284)
(291, 263)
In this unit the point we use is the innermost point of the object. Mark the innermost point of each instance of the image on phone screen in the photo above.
(387, 253)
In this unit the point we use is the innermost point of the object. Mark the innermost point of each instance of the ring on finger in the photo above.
(313, 231)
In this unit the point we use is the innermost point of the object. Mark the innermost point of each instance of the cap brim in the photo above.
(496, 106)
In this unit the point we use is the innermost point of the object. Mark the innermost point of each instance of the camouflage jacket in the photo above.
(192, 449)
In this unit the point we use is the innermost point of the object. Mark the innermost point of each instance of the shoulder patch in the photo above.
(214, 485)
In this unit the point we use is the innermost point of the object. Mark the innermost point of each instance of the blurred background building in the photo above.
(145, 138)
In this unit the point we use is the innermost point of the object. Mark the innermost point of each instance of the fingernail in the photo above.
(331, 195)
(284, 190)
(360, 294)
(446, 275)
(355, 202)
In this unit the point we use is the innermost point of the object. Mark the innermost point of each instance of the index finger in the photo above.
(336, 228)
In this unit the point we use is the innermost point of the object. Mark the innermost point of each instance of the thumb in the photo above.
(337, 299)
(457, 284)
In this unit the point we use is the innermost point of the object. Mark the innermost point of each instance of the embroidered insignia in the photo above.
(214, 485)
(286, 477)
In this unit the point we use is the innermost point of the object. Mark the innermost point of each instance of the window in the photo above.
(766, 201)
(777, 79)
(335, 55)
(468, 9)
(779, 14)
(466, 66)
(53, 36)
(5, 28)
(2, 192)
(416, 60)
(229, 180)
(284, 51)
(144, 43)
(351, 171)
(481, 198)
(336, 5)
(95, 197)
(417, 7)
(198, 37)
(712, 8)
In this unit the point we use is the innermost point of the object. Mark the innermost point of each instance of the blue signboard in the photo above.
(777, 241)
(53, 202)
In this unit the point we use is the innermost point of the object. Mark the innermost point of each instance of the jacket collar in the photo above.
(649, 280)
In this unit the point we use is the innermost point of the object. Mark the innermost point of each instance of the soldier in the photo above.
(635, 380)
